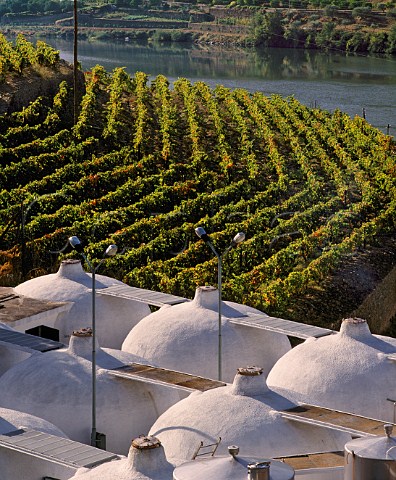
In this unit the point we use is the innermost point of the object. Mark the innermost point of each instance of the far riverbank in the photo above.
(361, 29)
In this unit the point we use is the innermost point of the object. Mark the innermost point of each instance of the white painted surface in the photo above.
(192, 471)
(11, 420)
(244, 414)
(184, 337)
(148, 464)
(19, 466)
(229, 468)
(114, 316)
(11, 355)
(331, 473)
(348, 371)
(57, 386)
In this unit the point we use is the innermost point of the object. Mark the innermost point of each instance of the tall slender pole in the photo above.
(220, 314)
(75, 65)
(23, 242)
(93, 432)
(239, 237)
(110, 252)
(219, 287)
(93, 357)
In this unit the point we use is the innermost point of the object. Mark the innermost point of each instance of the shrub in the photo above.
(360, 11)
(330, 10)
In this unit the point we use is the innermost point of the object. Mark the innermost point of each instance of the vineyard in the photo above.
(146, 163)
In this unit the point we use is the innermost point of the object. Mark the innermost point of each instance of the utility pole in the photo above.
(75, 65)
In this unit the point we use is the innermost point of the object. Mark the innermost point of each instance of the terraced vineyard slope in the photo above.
(146, 164)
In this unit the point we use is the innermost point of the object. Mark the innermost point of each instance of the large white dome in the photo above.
(57, 387)
(246, 414)
(114, 316)
(184, 337)
(146, 461)
(347, 371)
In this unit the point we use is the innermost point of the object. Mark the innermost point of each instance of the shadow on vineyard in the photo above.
(145, 164)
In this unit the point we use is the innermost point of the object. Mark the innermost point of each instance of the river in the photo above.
(356, 84)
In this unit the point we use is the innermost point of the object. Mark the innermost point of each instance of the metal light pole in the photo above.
(239, 237)
(110, 252)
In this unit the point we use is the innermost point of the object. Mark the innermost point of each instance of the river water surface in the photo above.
(358, 85)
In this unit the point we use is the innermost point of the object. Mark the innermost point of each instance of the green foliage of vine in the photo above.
(147, 163)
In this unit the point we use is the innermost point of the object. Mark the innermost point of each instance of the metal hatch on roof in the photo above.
(280, 325)
(29, 341)
(324, 417)
(163, 376)
(150, 297)
(56, 449)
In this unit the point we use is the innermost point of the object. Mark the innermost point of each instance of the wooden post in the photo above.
(75, 65)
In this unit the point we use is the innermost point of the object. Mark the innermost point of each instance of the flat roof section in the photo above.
(29, 341)
(163, 376)
(280, 325)
(56, 449)
(325, 417)
(15, 307)
(314, 460)
(150, 297)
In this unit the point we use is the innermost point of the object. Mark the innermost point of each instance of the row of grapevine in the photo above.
(146, 163)
(15, 58)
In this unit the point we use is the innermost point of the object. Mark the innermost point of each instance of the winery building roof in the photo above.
(247, 414)
(184, 337)
(351, 370)
(114, 316)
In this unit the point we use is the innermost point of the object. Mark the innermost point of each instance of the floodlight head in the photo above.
(111, 250)
(76, 244)
(200, 231)
(239, 238)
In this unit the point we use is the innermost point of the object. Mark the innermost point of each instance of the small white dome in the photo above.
(184, 337)
(146, 461)
(347, 371)
(246, 414)
(57, 386)
(114, 316)
(11, 420)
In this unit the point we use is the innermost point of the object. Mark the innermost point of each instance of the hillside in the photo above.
(146, 164)
(293, 24)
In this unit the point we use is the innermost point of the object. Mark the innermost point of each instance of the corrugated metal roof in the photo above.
(314, 460)
(163, 376)
(28, 341)
(57, 449)
(280, 325)
(324, 417)
(150, 297)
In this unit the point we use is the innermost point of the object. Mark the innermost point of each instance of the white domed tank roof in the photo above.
(184, 337)
(146, 461)
(114, 316)
(57, 386)
(11, 420)
(347, 371)
(235, 467)
(246, 414)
